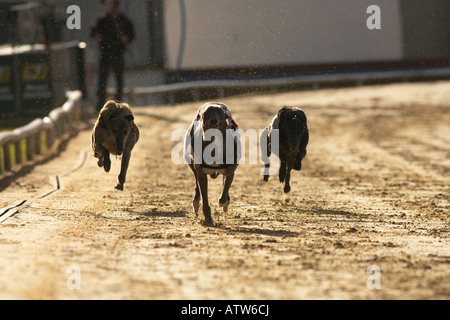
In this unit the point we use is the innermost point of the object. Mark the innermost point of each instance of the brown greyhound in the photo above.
(212, 116)
(114, 132)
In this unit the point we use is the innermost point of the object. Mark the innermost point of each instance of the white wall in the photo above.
(240, 33)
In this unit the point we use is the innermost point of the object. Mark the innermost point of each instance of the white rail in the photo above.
(24, 144)
(195, 88)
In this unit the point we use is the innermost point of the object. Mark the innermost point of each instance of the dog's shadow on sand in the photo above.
(219, 225)
(333, 212)
(259, 231)
(160, 214)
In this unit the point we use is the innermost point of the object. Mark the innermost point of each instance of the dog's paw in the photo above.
(119, 186)
(225, 204)
(209, 222)
(196, 205)
(297, 165)
(266, 178)
(107, 165)
(287, 188)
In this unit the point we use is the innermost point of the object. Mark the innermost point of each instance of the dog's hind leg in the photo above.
(123, 170)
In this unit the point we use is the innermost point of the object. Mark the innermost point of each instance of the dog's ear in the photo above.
(282, 113)
(225, 114)
(129, 117)
(106, 113)
(203, 111)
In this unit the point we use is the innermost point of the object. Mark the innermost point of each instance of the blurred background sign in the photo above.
(7, 91)
(35, 82)
(36, 67)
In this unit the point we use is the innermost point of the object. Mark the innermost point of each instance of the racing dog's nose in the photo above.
(294, 148)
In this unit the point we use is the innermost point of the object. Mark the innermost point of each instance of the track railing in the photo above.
(222, 88)
(25, 144)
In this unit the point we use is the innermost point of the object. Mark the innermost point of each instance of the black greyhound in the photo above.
(293, 139)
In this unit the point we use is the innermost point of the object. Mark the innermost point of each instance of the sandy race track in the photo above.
(374, 193)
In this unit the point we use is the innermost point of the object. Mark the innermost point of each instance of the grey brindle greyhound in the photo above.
(211, 116)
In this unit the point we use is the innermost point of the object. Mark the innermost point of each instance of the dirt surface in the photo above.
(374, 191)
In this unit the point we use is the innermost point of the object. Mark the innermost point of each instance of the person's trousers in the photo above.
(116, 63)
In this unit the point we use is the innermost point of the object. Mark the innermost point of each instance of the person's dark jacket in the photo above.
(111, 30)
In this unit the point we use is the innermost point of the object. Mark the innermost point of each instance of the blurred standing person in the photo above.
(113, 33)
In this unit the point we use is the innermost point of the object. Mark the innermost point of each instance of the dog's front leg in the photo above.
(106, 159)
(267, 135)
(123, 170)
(203, 182)
(196, 200)
(282, 171)
(289, 164)
(99, 137)
(224, 199)
(266, 176)
(102, 154)
(267, 165)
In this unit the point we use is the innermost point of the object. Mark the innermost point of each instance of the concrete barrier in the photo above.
(40, 135)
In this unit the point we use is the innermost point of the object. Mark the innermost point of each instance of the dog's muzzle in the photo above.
(119, 148)
(294, 148)
(212, 125)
